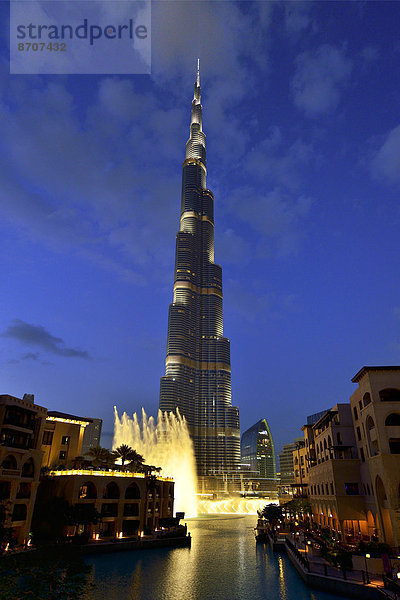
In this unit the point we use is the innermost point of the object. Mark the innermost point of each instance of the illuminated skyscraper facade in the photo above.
(257, 449)
(197, 378)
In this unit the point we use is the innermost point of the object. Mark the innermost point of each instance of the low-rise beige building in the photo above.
(375, 407)
(334, 480)
(62, 438)
(21, 430)
(128, 503)
(353, 457)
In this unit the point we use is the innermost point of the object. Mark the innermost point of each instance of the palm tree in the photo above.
(136, 463)
(149, 470)
(125, 453)
(100, 457)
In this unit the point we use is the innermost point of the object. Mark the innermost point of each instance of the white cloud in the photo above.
(278, 163)
(386, 162)
(297, 17)
(319, 79)
(231, 248)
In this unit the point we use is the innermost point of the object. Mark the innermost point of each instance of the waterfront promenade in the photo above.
(316, 572)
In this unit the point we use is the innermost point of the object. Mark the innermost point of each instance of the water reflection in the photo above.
(223, 563)
(282, 586)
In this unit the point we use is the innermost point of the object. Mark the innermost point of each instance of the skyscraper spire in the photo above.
(197, 379)
(198, 72)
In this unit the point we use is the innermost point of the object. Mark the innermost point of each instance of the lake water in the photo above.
(224, 563)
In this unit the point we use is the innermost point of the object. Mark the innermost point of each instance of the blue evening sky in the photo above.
(302, 115)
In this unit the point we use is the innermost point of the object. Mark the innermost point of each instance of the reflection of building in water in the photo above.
(351, 453)
(258, 458)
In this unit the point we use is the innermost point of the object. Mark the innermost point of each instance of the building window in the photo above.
(389, 395)
(65, 440)
(358, 433)
(351, 489)
(19, 512)
(5, 490)
(47, 438)
(109, 510)
(355, 412)
(62, 455)
(24, 490)
(131, 510)
(362, 455)
(394, 446)
(393, 420)
(366, 399)
(332, 490)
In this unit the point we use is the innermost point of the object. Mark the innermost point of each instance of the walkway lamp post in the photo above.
(366, 567)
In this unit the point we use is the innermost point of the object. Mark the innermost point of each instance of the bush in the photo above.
(375, 549)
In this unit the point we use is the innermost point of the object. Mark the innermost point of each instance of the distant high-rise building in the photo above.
(197, 379)
(92, 435)
(257, 450)
(286, 462)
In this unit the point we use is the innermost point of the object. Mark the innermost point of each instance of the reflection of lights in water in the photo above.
(231, 506)
(282, 586)
(166, 444)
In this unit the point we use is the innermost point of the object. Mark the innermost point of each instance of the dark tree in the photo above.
(49, 519)
(272, 513)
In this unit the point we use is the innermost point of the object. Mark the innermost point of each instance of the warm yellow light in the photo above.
(73, 421)
(120, 535)
(367, 556)
(90, 472)
(97, 536)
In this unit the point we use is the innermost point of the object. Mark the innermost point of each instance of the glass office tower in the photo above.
(197, 379)
(257, 450)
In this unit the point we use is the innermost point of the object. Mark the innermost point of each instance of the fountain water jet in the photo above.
(166, 444)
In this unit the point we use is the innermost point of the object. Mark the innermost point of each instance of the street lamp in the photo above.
(366, 567)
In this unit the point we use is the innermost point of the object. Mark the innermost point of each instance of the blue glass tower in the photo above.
(257, 450)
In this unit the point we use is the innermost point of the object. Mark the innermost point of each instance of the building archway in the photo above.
(392, 420)
(371, 524)
(88, 491)
(10, 462)
(383, 511)
(111, 491)
(28, 468)
(132, 492)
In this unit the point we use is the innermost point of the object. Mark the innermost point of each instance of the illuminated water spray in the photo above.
(166, 444)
